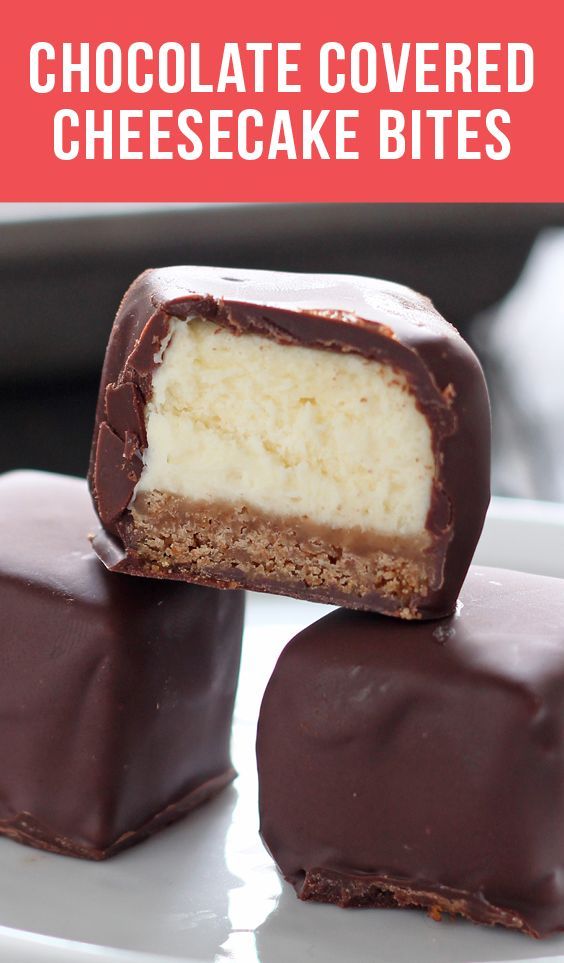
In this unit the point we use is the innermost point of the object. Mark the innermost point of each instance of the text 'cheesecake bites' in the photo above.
(116, 693)
(321, 436)
(422, 764)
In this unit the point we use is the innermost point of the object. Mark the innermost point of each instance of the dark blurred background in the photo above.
(64, 269)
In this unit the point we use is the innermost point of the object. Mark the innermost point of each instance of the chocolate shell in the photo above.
(116, 693)
(422, 765)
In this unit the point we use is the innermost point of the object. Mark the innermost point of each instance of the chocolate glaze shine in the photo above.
(116, 694)
(423, 764)
(377, 319)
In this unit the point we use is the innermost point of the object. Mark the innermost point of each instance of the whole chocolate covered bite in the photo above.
(116, 694)
(423, 764)
(321, 436)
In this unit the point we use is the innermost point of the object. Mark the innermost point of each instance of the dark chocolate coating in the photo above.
(423, 763)
(377, 319)
(116, 694)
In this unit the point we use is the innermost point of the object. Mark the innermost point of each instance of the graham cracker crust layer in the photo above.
(242, 547)
(327, 886)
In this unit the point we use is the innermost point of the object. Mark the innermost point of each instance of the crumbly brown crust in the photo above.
(325, 886)
(170, 536)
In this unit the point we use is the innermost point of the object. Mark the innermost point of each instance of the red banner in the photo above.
(301, 102)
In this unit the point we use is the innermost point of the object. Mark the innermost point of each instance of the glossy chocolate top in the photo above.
(377, 319)
(429, 753)
(45, 521)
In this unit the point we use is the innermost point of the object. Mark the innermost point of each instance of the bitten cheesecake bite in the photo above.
(314, 435)
(116, 693)
(421, 765)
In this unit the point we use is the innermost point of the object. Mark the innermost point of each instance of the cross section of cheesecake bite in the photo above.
(304, 434)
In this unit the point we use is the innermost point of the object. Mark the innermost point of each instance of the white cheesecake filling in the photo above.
(331, 438)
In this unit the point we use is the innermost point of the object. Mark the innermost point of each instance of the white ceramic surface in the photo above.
(206, 890)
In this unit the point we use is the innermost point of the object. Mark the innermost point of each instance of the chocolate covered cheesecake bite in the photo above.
(116, 693)
(422, 764)
(320, 436)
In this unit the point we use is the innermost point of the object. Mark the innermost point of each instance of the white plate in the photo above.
(206, 890)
